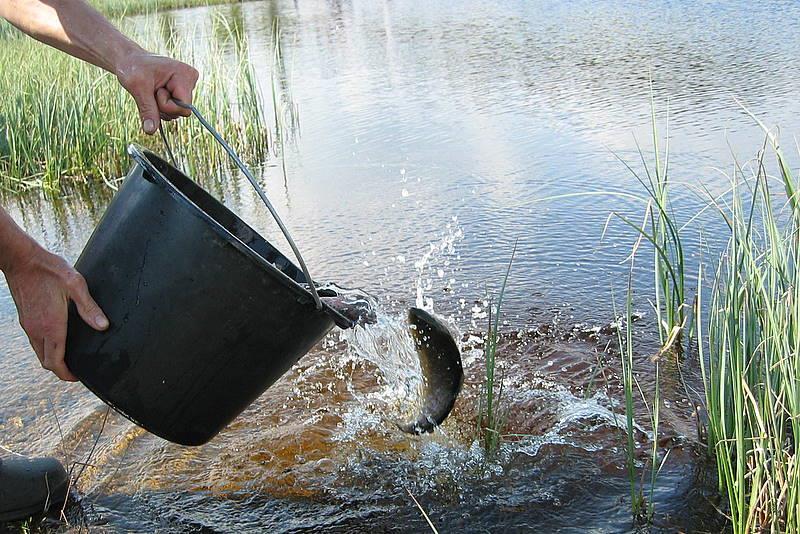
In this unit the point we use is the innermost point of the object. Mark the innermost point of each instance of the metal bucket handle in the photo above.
(254, 183)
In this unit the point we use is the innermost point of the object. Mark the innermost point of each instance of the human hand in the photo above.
(154, 81)
(42, 284)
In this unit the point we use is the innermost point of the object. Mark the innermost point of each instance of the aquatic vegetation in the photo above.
(748, 347)
(663, 234)
(642, 508)
(284, 109)
(491, 413)
(752, 365)
(62, 119)
(628, 384)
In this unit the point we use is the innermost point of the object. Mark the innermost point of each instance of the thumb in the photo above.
(88, 309)
(148, 111)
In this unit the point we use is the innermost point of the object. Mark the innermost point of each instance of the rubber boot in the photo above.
(30, 486)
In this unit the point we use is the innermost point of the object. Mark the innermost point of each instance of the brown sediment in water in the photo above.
(328, 414)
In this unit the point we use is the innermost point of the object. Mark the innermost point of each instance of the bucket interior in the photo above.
(225, 217)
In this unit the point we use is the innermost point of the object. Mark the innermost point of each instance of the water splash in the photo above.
(434, 263)
(388, 345)
(576, 417)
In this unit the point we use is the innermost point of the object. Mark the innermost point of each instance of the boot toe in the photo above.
(30, 485)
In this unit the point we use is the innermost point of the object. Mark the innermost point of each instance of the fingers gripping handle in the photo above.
(254, 183)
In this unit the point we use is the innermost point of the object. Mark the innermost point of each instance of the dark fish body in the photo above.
(442, 371)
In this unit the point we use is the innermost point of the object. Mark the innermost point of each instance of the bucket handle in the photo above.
(254, 183)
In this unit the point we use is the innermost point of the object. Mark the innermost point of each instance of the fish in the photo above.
(442, 370)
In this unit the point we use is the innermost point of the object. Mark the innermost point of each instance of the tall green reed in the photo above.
(642, 508)
(628, 383)
(664, 235)
(751, 371)
(661, 231)
(491, 411)
(748, 347)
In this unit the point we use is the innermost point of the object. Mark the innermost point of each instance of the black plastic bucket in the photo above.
(205, 314)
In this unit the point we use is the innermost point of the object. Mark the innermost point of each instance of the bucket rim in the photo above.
(140, 157)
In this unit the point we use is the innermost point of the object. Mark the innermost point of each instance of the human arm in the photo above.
(42, 284)
(76, 28)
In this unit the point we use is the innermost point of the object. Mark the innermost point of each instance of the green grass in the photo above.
(118, 8)
(663, 233)
(63, 120)
(752, 372)
(628, 384)
(491, 411)
(642, 509)
(748, 347)
(660, 229)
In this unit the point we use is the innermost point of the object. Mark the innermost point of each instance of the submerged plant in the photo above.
(491, 413)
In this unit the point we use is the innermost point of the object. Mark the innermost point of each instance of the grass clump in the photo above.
(752, 373)
(748, 345)
(63, 119)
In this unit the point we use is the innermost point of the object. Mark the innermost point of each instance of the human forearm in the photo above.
(74, 27)
(15, 244)
(42, 284)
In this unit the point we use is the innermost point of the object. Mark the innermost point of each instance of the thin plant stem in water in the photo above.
(663, 234)
(491, 414)
(626, 360)
(425, 515)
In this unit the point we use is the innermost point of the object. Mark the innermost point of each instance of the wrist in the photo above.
(125, 57)
(17, 248)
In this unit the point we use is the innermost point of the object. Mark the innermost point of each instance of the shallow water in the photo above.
(431, 138)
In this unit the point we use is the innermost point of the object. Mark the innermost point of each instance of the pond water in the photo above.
(433, 137)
